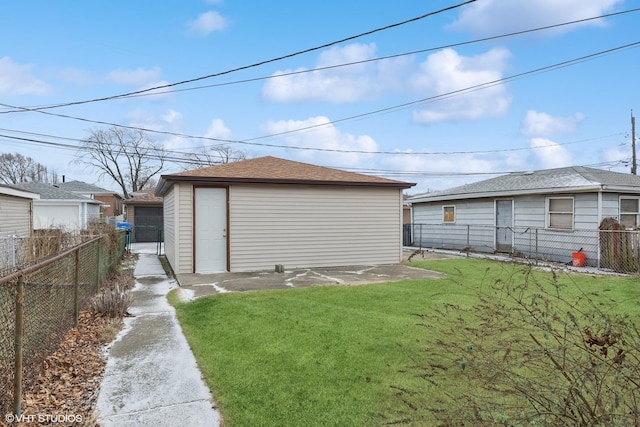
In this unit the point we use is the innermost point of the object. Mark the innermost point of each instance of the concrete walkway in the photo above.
(151, 377)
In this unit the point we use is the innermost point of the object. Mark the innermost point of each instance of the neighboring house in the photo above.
(112, 202)
(144, 213)
(58, 208)
(564, 207)
(16, 211)
(259, 213)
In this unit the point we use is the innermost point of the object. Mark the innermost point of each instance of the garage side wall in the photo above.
(184, 228)
(169, 219)
(16, 216)
(313, 226)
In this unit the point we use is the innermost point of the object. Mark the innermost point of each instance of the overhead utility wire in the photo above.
(268, 61)
(388, 109)
(83, 148)
(347, 64)
(397, 55)
(452, 93)
(381, 172)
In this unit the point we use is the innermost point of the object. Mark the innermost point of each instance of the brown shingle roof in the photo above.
(144, 197)
(275, 170)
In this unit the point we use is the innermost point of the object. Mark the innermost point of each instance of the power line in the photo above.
(250, 141)
(455, 92)
(260, 63)
(181, 152)
(329, 67)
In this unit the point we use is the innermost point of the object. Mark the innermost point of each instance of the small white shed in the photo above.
(254, 214)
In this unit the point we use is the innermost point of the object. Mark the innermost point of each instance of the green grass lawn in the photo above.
(347, 356)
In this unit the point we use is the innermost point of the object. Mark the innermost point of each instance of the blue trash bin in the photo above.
(127, 227)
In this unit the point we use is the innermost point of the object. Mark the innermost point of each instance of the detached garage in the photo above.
(255, 214)
(144, 213)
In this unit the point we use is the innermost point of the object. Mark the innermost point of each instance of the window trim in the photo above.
(548, 212)
(444, 214)
(636, 213)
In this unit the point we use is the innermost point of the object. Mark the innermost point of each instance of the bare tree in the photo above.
(216, 155)
(16, 168)
(127, 156)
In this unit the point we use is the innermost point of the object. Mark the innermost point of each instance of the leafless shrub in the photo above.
(113, 302)
(528, 356)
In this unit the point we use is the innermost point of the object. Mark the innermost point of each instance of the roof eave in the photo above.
(495, 194)
(167, 181)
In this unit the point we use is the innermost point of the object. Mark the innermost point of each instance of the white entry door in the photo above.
(211, 230)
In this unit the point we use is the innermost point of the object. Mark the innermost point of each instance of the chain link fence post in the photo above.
(76, 284)
(18, 348)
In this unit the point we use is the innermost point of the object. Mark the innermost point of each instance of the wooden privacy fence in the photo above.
(40, 303)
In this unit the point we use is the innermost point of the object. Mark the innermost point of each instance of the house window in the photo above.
(560, 212)
(629, 212)
(449, 214)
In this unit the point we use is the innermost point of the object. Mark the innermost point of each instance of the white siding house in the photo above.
(560, 210)
(61, 209)
(254, 214)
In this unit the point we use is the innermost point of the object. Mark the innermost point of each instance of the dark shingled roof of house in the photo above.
(50, 192)
(275, 170)
(568, 179)
(83, 187)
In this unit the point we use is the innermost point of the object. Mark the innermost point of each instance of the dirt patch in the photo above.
(425, 254)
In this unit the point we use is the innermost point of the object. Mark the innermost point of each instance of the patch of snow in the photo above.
(185, 294)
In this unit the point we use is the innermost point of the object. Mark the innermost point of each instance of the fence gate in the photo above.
(504, 225)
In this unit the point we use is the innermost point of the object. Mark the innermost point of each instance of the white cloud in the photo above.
(16, 79)
(491, 17)
(157, 94)
(138, 77)
(208, 22)
(341, 84)
(325, 138)
(549, 154)
(617, 154)
(543, 124)
(170, 120)
(447, 71)
(217, 130)
(447, 171)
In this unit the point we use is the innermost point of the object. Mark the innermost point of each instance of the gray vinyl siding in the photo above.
(16, 216)
(312, 226)
(169, 218)
(585, 210)
(529, 211)
(530, 232)
(611, 204)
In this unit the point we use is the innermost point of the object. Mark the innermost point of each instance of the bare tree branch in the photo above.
(16, 168)
(216, 155)
(127, 156)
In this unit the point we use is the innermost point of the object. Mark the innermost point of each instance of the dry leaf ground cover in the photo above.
(67, 387)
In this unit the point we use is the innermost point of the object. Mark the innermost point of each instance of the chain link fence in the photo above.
(40, 303)
(18, 252)
(608, 250)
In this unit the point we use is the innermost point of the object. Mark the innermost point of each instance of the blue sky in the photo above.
(61, 52)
